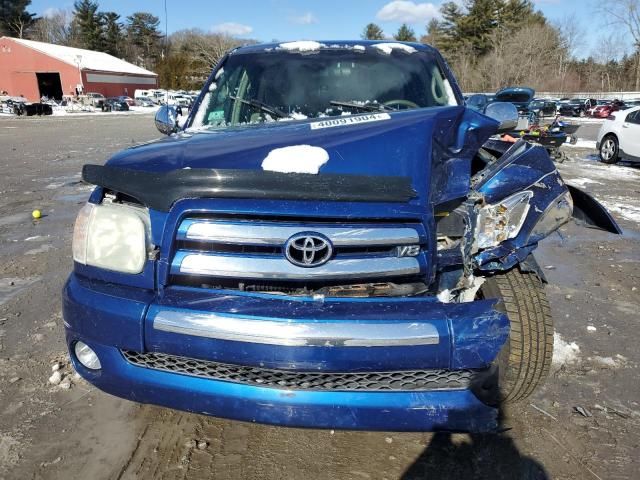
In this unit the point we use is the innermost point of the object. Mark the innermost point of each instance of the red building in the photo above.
(36, 69)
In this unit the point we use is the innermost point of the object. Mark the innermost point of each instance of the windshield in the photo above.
(254, 88)
(576, 101)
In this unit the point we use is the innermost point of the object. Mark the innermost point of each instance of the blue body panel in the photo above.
(477, 327)
(456, 410)
(110, 318)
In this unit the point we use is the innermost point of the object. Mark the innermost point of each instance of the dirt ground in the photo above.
(583, 424)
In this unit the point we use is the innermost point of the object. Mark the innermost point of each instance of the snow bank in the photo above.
(390, 47)
(296, 159)
(563, 352)
(302, 46)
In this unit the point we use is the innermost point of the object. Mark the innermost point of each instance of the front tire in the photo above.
(525, 360)
(609, 149)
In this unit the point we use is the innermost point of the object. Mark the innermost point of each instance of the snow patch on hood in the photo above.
(390, 47)
(296, 159)
(301, 46)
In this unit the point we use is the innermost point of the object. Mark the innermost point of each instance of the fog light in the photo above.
(86, 356)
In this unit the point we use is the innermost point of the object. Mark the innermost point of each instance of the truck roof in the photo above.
(311, 45)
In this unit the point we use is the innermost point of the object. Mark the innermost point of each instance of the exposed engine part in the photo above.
(383, 289)
(375, 290)
(466, 290)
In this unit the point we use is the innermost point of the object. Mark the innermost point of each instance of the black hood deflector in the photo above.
(160, 190)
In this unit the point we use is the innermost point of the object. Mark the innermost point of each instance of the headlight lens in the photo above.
(499, 222)
(114, 237)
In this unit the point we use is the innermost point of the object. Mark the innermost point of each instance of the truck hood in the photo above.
(433, 147)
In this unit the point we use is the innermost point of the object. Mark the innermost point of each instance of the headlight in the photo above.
(112, 236)
(499, 222)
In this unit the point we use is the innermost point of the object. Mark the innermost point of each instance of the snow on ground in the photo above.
(626, 207)
(581, 143)
(609, 184)
(64, 111)
(390, 47)
(296, 159)
(582, 182)
(584, 119)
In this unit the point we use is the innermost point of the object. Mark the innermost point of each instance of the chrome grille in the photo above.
(253, 250)
(409, 380)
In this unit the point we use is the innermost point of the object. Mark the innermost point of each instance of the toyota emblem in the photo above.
(308, 249)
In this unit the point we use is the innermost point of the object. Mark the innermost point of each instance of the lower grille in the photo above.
(406, 380)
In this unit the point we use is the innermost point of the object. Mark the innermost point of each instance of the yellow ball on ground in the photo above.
(36, 214)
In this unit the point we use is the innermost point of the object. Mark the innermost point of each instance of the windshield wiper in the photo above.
(261, 106)
(367, 107)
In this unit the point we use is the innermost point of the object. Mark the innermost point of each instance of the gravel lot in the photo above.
(584, 424)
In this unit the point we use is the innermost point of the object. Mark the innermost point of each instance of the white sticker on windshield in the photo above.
(350, 120)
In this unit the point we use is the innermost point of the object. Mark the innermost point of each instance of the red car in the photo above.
(603, 111)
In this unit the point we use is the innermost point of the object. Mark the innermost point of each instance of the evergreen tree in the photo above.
(144, 38)
(405, 34)
(88, 23)
(373, 32)
(434, 34)
(14, 18)
(112, 33)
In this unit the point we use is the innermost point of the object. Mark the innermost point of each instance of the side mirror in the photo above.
(505, 113)
(166, 120)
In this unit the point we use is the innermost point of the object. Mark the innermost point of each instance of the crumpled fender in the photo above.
(526, 167)
(587, 210)
(523, 167)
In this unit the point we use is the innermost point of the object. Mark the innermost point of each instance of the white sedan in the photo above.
(619, 136)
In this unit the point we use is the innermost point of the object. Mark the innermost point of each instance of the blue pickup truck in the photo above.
(332, 240)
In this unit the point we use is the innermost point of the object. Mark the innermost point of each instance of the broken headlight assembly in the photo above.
(502, 221)
(112, 236)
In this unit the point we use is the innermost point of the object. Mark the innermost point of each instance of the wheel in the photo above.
(525, 359)
(609, 150)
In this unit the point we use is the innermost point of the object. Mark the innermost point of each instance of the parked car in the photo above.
(342, 245)
(542, 108)
(591, 110)
(95, 99)
(145, 102)
(478, 102)
(619, 136)
(576, 107)
(128, 100)
(603, 111)
(634, 102)
(115, 104)
(519, 96)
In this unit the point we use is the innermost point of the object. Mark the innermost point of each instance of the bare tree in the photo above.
(626, 14)
(571, 36)
(54, 28)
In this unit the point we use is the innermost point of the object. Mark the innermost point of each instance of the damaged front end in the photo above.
(517, 198)
(359, 298)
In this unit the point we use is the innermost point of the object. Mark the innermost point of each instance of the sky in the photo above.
(267, 20)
